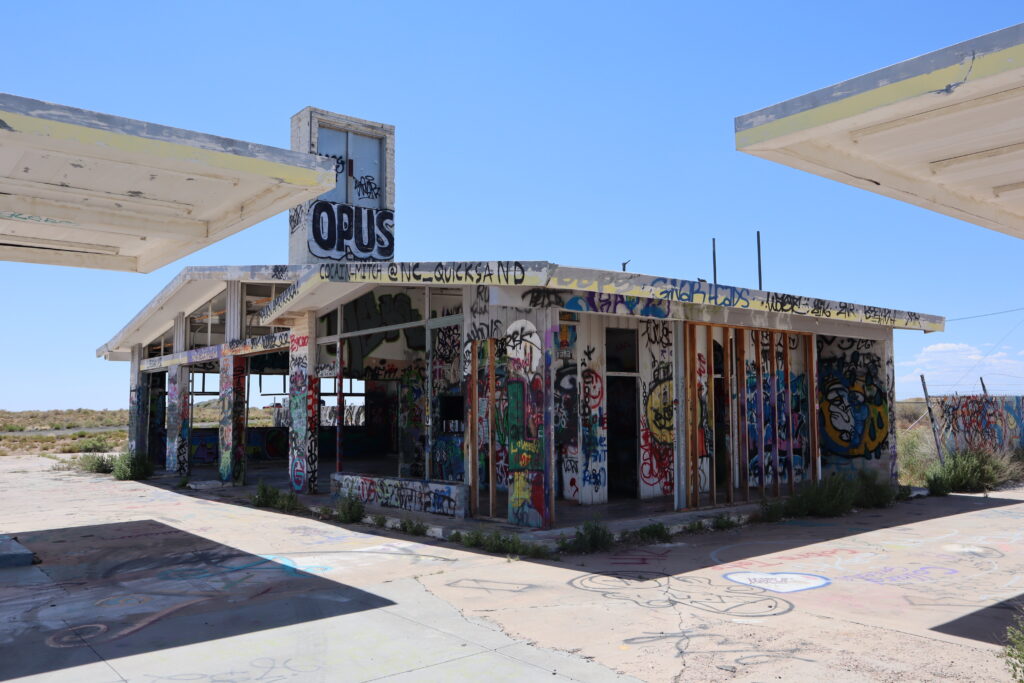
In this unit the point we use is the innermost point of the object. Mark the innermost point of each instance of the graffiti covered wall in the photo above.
(988, 423)
(855, 405)
(411, 495)
(523, 370)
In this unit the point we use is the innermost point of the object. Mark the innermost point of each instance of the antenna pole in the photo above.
(759, 284)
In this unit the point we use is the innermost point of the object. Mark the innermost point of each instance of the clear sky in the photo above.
(582, 133)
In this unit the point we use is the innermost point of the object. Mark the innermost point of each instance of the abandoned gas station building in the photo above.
(509, 388)
(502, 389)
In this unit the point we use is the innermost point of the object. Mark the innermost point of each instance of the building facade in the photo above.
(508, 389)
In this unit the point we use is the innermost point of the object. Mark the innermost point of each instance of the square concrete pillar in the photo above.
(138, 405)
(233, 403)
(179, 424)
(303, 408)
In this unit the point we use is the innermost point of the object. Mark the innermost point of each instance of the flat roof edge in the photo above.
(930, 63)
(284, 273)
(153, 131)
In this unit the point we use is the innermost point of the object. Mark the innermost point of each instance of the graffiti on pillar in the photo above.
(178, 458)
(567, 413)
(593, 427)
(312, 429)
(853, 402)
(525, 424)
(657, 413)
(232, 419)
(298, 392)
(137, 427)
(705, 435)
(412, 417)
(446, 408)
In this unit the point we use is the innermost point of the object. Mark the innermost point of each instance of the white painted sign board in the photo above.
(356, 220)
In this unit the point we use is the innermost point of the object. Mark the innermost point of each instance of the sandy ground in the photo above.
(143, 583)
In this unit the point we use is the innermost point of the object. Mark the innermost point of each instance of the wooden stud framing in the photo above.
(812, 408)
(727, 382)
(492, 456)
(694, 455)
(788, 407)
(470, 444)
(743, 439)
(759, 371)
(711, 413)
(773, 393)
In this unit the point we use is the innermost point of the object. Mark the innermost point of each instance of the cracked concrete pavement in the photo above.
(144, 583)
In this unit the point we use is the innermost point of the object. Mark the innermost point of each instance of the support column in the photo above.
(231, 435)
(234, 323)
(680, 431)
(303, 408)
(178, 457)
(138, 404)
(550, 342)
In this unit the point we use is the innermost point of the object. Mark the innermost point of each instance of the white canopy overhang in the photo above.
(85, 189)
(944, 131)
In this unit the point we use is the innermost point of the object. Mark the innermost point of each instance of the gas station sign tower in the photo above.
(356, 220)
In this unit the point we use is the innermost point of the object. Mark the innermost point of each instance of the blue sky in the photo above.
(578, 133)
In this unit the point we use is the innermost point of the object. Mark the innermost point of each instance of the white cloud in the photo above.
(955, 368)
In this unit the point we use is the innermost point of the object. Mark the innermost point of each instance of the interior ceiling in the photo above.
(85, 189)
(944, 131)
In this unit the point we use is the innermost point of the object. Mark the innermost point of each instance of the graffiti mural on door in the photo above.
(853, 402)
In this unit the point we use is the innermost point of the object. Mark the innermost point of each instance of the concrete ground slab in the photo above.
(142, 583)
(13, 554)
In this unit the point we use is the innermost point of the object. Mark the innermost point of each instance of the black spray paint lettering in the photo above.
(342, 231)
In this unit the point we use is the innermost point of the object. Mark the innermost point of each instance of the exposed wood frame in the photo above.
(727, 382)
(788, 406)
(492, 456)
(469, 445)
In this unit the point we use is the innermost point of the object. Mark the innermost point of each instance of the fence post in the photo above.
(931, 418)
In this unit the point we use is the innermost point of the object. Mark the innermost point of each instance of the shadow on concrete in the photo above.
(115, 590)
(987, 624)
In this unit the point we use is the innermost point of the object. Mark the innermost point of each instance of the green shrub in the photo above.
(128, 468)
(455, 537)
(1013, 652)
(95, 444)
(903, 492)
(381, 521)
(977, 471)
(723, 522)
(80, 434)
(831, 497)
(100, 464)
(288, 502)
(473, 539)
(350, 509)
(872, 493)
(413, 527)
(772, 511)
(915, 453)
(265, 496)
(652, 533)
(495, 542)
(938, 483)
(182, 483)
(592, 537)
(696, 527)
